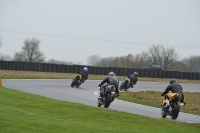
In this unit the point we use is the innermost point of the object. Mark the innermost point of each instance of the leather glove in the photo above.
(99, 85)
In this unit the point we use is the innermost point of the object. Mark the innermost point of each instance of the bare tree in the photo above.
(116, 61)
(170, 59)
(127, 61)
(130, 61)
(166, 58)
(30, 51)
(93, 59)
(190, 64)
(154, 54)
(140, 60)
(18, 56)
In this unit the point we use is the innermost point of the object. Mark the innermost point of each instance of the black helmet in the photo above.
(172, 80)
(135, 73)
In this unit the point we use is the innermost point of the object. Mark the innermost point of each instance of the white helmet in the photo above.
(85, 68)
(135, 73)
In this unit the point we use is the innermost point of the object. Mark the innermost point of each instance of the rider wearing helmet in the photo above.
(174, 87)
(111, 79)
(133, 79)
(84, 74)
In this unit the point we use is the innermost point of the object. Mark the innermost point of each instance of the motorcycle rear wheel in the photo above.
(175, 111)
(72, 84)
(108, 99)
(121, 87)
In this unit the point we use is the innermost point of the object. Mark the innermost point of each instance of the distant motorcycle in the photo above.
(77, 81)
(173, 108)
(125, 84)
(106, 95)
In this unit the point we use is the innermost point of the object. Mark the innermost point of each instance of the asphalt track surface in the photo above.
(87, 94)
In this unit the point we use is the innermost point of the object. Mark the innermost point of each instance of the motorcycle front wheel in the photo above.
(99, 103)
(163, 112)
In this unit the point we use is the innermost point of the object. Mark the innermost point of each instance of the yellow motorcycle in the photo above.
(170, 105)
(77, 81)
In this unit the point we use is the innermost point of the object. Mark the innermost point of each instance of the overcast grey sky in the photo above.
(72, 30)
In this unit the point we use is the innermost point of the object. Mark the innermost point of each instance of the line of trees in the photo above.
(166, 58)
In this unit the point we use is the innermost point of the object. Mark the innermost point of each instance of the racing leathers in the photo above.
(111, 80)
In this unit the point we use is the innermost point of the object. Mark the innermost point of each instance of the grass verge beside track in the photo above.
(27, 113)
(10, 74)
(151, 98)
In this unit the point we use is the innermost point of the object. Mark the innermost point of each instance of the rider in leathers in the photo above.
(133, 79)
(111, 79)
(174, 87)
(84, 74)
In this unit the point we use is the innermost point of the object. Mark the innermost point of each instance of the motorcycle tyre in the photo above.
(163, 112)
(98, 103)
(77, 86)
(175, 111)
(120, 88)
(108, 99)
(72, 84)
(75, 83)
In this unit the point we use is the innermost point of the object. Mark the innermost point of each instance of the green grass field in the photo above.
(22, 112)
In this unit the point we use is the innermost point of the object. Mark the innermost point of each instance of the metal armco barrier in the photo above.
(60, 68)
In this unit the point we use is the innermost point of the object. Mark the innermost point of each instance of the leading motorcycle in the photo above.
(106, 95)
(77, 81)
(173, 108)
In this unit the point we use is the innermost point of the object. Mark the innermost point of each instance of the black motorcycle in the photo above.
(173, 108)
(106, 95)
(77, 81)
(125, 84)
